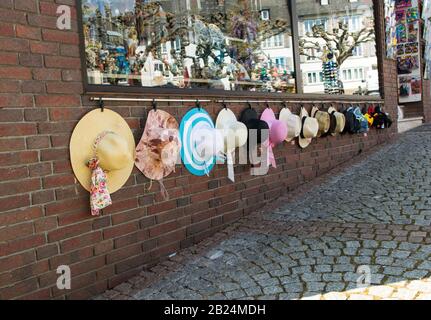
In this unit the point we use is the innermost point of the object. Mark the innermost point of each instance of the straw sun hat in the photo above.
(324, 121)
(309, 130)
(338, 121)
(106, 135)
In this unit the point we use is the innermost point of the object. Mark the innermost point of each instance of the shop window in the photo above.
(189, 44)
(338, 38)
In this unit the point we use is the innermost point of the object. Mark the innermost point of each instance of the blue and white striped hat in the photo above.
(201, 143)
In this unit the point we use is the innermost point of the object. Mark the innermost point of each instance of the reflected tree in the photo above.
(340, 41)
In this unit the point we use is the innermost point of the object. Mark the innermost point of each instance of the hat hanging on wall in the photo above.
(201, 143)
(258, 131)
(157, 152)
(234, 135)
(338, 121)
(309, 129)
(102, 152)
(250, 118)
(293, 123)
(277, 133)
(323, 119)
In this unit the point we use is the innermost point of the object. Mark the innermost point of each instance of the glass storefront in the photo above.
(229, 45)
(245, 45)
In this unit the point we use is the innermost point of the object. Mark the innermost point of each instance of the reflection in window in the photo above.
(211, 44)
(337, 38)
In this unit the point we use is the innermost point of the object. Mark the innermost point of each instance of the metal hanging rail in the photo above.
(147, 99)
(235, 101)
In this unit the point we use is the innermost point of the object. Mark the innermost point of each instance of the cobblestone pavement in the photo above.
(363, 233)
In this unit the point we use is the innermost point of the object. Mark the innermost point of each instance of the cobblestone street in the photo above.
(374, 215)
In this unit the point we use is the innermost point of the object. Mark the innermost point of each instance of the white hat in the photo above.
(309, 130)
(234, 133)
(293, 123)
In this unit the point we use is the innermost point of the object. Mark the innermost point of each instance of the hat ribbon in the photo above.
(230, 170)
(302, 128)
(270, 146)
(100, 197)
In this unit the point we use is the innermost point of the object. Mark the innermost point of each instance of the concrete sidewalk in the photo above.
(367, 225)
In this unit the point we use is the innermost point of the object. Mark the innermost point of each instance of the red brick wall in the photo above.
(44, 212)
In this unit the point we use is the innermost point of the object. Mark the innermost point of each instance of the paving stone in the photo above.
(416, 274)
(301, 270)
(272, 290)
(425, 265)
(422, 286)
(332, 277)
(404, 294)
(268, 282)
(343, 268)
(360, 297)
(385, 261)
(236, 294)
(394, 271)
(400, 254)
(289, 296)
(323, 268)
(335, 296)
(293, 287)
(253, 291)
(335, 286)
(381, 291)
(315, 286)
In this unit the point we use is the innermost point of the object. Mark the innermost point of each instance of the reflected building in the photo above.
(358, 74)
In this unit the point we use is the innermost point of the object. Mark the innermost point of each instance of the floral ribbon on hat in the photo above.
(100, 197)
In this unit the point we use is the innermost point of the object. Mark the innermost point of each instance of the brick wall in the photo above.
(44, 212)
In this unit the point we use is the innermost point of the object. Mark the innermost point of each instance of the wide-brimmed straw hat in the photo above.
(293, 123)
(324, 120)
(107, 136)
(309, 129)
(338, 121)
(201, 142)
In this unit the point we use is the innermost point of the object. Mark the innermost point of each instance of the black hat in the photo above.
(250, 118)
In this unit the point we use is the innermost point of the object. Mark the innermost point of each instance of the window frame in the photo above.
(93, 89)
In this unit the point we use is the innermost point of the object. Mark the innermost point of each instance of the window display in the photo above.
(336, 37)
(408, 50)
(209, 44)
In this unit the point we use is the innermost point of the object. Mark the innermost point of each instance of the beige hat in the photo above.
(309, 130)
(235, 133)
(115, 148)
(293, 123)
(324, 120)
(340, 121)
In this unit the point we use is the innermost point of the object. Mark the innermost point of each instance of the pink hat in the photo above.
(277, 132)
(159, 147)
